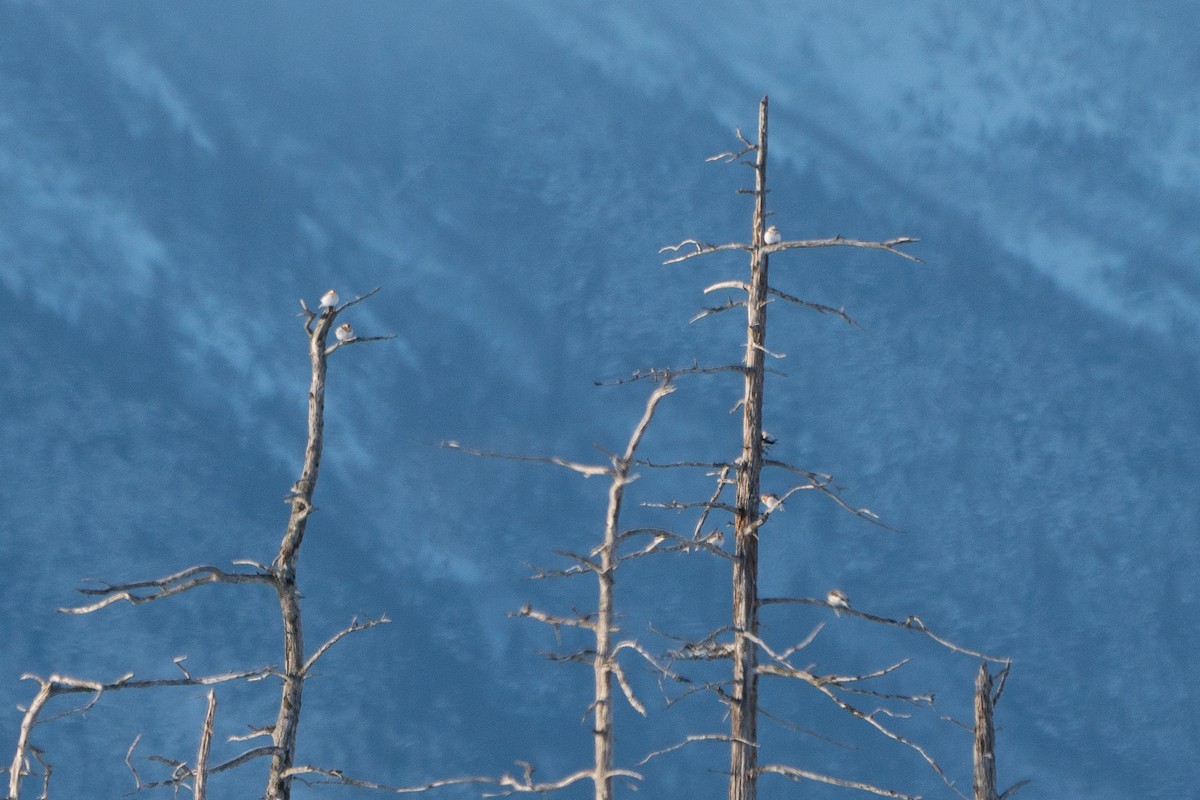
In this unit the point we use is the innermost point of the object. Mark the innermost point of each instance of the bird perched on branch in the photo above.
(329, 299)
(344, 332)
(838, 599)
(771, 236)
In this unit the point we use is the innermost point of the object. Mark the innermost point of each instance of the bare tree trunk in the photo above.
(18, 767)
(985, 742)
(744, 705)
(200, 788)
(287, 723)
(602, 664)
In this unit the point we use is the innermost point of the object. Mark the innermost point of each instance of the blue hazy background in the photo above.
(173, 177)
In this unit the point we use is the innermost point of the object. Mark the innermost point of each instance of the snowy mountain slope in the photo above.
(1066, 130)
(1021, 406)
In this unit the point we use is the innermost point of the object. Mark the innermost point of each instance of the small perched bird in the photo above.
(837, 598)
(329, 299)
(771, 236)
(344, 332)
(771, 501)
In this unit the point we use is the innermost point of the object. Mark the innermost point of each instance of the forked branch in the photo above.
(507, 784)
(57, 685)
(139, 592)
(910, 623)
(354, 627)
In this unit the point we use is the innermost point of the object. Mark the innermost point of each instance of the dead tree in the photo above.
(280, 576)
(753, 657)
(603, 561)
(985, 736)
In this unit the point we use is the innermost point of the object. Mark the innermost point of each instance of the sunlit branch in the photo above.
(168, 586)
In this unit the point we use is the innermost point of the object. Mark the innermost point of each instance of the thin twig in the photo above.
(667, 374)
(911, 623)
(797, 774)
(692, 739)
(354, 627)
(587, 470)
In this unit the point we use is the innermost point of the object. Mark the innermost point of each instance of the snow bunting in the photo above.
(837, 598)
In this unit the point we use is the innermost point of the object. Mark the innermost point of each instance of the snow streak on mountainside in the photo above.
(172, 180)
(1065, 130)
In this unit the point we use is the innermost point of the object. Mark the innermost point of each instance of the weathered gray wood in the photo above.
(744, 705)
(604, 663)
(985, 737)
(200, 787)
(287, 721)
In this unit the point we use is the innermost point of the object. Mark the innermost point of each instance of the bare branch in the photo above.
(823, 484)
(354, 627)
(711, 310)
(722, 482)
(792, 726)
(356, 300)
(703, 248)
(160, 588)
(137, 779)
(1003, 676)
(57, 685)
(237, 761)
(356, 340)
(710, 544)
(507, 783)
(676, 505)
(803, 643)
(818, 307)
(582, 621)
(619, 673)
(890, 245)
(587, 470)
(661, 669)
(700, 249)
(716, 287)
(911, 623)
(667, 374)
(181, 772)
(797, 774)
(1010, 791)
(254, 733)
(729, 157)
(698, 737)
(823, 684)
(47, 769)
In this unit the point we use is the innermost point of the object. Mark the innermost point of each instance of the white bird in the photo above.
(771, 501)
(837, 598)
(329, 299)
(771, 236)
(344, 332)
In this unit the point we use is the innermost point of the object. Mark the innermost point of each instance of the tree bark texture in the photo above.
(744, 700)
(287, 722)
(985, 740)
